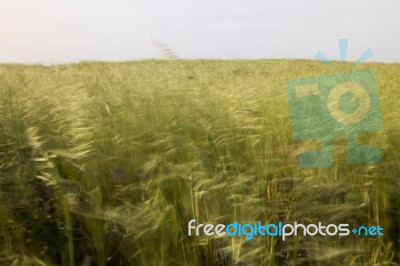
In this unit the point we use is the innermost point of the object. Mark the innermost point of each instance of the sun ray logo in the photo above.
(340, 104)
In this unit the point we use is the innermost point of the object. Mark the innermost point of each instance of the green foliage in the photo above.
(105, 164)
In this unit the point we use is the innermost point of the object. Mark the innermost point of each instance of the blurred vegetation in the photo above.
(106, 163)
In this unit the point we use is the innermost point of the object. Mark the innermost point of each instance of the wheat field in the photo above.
(106, 163)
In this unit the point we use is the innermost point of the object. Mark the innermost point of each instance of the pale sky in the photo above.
(61, 31)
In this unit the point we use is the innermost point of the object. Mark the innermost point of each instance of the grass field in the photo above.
(106, 163)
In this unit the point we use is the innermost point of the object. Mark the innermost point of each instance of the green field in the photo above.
(106, 163)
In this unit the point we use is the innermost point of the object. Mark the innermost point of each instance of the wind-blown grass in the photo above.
(106, 163)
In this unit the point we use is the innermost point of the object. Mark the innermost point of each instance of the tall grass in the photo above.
(106, 163)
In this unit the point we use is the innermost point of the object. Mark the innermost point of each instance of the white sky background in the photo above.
(59, 31)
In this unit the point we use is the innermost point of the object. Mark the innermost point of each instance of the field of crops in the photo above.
(106, 163)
